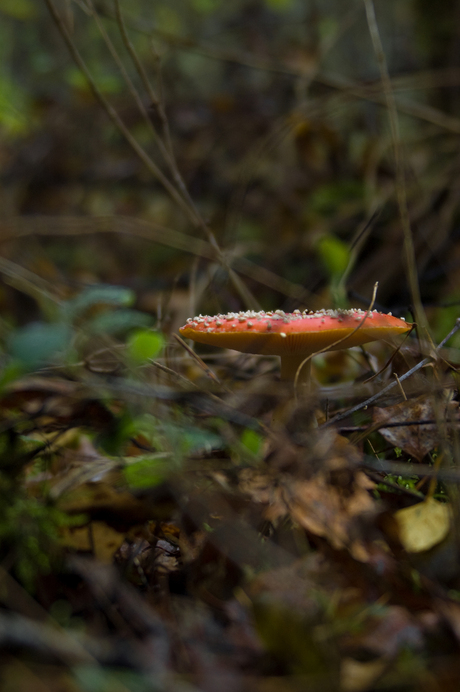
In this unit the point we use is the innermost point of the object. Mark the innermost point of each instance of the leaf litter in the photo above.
(278, 562)
(415, 436)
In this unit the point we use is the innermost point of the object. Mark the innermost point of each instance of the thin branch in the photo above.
(166, 148)
(125, 75)
(401, 192)
(400, 424)
(186, 205)
(332, 346)
(394, 486)
(115, 118)
(369, 92)
(398, 468)
(392, 385)
(65, 226)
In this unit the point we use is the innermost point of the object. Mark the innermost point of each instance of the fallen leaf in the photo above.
(263, 488)
(97, 537)
(416, 440)
(424, 525)
(329, 503)
(331, 511)
(357, 676)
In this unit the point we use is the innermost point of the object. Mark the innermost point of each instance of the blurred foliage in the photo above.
(272, 140)
(144, 345)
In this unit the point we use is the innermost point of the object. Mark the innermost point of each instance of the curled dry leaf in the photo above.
(416, 440)
(331, 511)
(329, 503)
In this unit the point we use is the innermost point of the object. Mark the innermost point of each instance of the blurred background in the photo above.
(273, 116)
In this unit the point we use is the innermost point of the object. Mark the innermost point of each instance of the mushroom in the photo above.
(292, 336)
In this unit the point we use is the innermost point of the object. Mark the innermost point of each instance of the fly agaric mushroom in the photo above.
(292, 336)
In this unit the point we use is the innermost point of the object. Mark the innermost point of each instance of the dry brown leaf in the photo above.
(331, 511)
(328, 503)
(416, 440)
(424, 525)
(264, 488)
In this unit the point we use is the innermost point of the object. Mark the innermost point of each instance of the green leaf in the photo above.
(146, 472)
(18, 9)
(14, 108)
(252, 441)
(106, 83)
(145, 345)
(117, 322)
(100, 295)
(195, 441)
(11, 372)
(327, 200)
(39, 343)
(334, 254)
(92, 678)
(189, 440)
(444, 318)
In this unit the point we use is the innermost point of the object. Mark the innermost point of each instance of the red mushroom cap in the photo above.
(298, 333)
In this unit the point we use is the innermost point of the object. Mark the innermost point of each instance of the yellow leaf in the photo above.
(424, 525)
(360, 675)
(96, 537)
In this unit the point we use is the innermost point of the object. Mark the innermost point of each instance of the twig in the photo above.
(398, 468)
(207, 371)
(403, 393)
(390, 359)
(197, 399)
(166, 148)
(128, 81)
(172, 373)
(400, 424)
(16, 227)
(369, 92)
(385, 390)
(186, 204)
(331, 347)
(117, 121)
(394, 486)
(401, 193)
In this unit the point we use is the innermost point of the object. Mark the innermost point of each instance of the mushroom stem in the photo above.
(290, 365)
